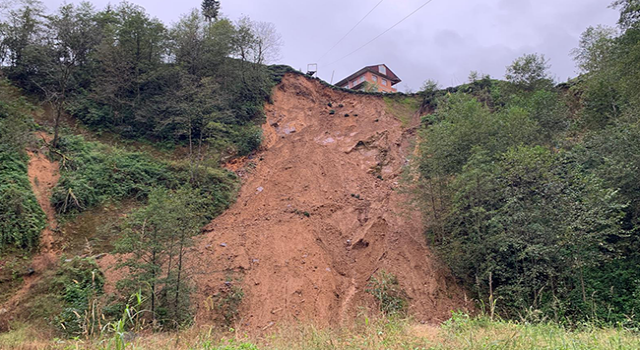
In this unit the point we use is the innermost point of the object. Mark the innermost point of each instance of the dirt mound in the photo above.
(319, 215)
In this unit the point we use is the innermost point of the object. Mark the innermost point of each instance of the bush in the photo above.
(227, 303)
(78, 283)
(392, 300)
(21, 218)
(93, 173)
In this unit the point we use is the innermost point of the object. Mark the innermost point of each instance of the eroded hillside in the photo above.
(320, 214)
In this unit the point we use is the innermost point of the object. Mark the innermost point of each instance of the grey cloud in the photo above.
(444, 41)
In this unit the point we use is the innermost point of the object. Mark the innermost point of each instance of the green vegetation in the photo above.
(460, 332)
(79, 282)
(21, 218)
(392, 300)
(200, 82)
(93, 173)
(154, 249)
(402, 107)
(531, 190)
(197, 86)
(227, 303)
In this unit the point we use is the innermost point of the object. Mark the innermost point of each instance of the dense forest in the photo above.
(530, 188)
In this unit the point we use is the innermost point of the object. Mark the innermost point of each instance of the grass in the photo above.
(403, 108)
(460, 332)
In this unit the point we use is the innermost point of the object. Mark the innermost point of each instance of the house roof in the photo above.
(373, 69)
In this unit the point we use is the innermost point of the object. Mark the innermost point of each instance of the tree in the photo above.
(153, 247)
(256, 42)
(72, 35)
(129, 58)
(21, 42)
(529, 73)
(629, 12)
(211, 10)
(595, 48)
(268, 43)
(526, 228)
(430, 86)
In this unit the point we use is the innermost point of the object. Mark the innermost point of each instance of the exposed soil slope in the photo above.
(319, 215)
(43, 175)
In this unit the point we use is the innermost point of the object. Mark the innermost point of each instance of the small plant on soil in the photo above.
(333, 111)
(392, 300)
(226, 302)
(299, 212)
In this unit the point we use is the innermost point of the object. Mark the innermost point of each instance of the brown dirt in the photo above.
(314, 222)
(43, 176)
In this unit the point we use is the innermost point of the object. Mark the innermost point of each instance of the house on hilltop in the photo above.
(380, 76)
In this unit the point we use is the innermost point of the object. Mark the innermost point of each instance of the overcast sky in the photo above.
(444, 41)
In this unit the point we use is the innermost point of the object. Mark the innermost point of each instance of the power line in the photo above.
(352, 29)
(381, 34)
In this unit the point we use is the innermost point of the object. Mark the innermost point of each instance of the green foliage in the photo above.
(128, 320)
(153, 247)
(532, 198)
(430, 86)
(392, 300)
(92, 173)
(248, 139)
(462, 123)
(210, 9)
(121, 70)
(629, 12)
(21, 218)
(231, 345)
(227, 303)
(78, 283)
(529, 73)
(525, 228)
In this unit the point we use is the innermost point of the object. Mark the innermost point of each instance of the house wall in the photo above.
(381, 88)
(368, 76)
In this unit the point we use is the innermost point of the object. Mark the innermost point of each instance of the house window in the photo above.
(362, 79)
(375, 78)
(384, 82)
(382, 69)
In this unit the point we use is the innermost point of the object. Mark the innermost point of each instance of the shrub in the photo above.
(93, 173)
(392, 300)
(226, 303)
(78, 282)
(21, 218)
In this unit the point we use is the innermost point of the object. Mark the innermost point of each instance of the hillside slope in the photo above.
(319, 216)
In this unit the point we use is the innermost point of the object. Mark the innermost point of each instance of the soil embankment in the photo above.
(320, 214)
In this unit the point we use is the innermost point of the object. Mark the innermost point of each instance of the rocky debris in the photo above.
(326, 225)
